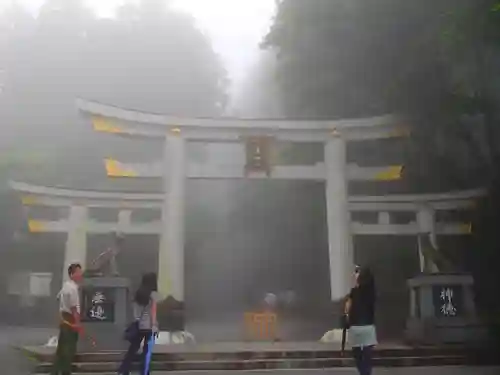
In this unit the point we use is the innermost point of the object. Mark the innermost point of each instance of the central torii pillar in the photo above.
(171, 255)
(171, 312)
(340, 247)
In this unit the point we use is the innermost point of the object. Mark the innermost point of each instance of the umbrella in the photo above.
(147, 359)
(344, 334)
(345, 325)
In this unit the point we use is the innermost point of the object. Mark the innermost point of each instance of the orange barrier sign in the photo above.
(261, 326)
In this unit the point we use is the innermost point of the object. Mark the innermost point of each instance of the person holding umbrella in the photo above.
(360, 318)
(145, 324)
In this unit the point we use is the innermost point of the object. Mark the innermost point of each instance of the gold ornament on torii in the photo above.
(258, 154)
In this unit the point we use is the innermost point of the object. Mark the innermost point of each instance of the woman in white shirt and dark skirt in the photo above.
(360, 316)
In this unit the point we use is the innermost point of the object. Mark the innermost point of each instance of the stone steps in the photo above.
(260, 359)
(173, 356)
(233, 365)
(280, 363)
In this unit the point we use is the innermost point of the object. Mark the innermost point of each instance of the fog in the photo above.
(236, 251)
(248, 59)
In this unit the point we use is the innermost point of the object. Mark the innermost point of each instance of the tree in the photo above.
(458, 127)
(386, 56)
(259, 96)
(150, 58)
(17, 28)
(473, 41)
(341, 59)
(42, 75)
(153, 59)
(434, 62)
(162, 63)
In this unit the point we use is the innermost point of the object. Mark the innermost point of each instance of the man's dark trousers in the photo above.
(66, 348)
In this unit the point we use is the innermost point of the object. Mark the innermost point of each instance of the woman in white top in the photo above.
(144, 307)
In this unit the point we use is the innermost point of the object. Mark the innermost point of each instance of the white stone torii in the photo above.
(176, 132)
(78, 223)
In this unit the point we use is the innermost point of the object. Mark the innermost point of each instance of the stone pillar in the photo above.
(384, 218)
(76, 243)
(339, 234)
(124, 219)
(171, 256)
(426, 224)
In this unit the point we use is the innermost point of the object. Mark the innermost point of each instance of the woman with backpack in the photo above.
(145, 324)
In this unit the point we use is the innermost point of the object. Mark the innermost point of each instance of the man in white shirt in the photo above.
(69, 328)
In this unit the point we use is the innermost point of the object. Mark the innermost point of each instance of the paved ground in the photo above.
(10, 361)
(229, 347)
(378, 371)
(11, 365)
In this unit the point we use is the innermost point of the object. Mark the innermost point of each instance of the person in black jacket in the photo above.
(360, 316)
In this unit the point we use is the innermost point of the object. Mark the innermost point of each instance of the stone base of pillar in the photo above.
(105, 312)
(442, 311)
(171, 315)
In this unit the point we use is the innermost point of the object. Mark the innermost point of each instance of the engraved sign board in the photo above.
(98, 305)
(448, 301)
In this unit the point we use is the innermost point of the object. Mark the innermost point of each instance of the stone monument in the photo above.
(442, 308)
(105, 298)
(105, 264)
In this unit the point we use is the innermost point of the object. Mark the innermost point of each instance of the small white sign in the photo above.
(40, 284)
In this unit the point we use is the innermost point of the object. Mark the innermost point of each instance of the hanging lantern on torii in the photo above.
(258, 155)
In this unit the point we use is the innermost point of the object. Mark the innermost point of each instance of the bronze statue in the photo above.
(434, 260)
(105, 264)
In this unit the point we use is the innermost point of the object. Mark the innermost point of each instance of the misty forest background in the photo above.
(436, 63)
